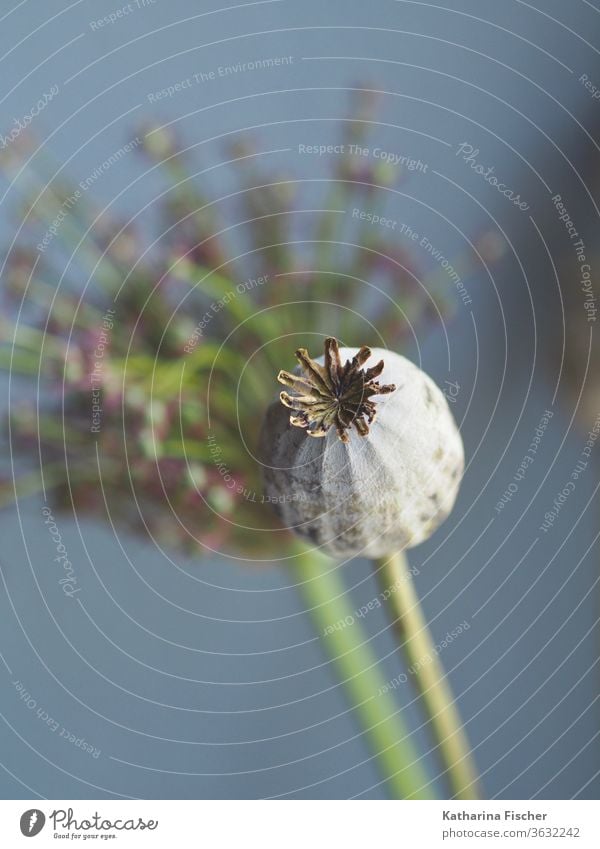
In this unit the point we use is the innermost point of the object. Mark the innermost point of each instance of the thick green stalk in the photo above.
(429, 676)
(327, 602)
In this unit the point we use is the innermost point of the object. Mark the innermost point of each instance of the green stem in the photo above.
(429, 676)
(30, 483)
(327, 602)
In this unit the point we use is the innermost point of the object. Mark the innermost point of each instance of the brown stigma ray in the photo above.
(332, 394)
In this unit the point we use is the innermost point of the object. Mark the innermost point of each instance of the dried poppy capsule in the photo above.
(384, 466)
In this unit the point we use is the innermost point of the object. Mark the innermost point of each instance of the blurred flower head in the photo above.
(152, 381)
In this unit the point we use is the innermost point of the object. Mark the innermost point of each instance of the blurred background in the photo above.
(180, 673)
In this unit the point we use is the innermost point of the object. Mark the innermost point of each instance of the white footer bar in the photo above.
(301, 824)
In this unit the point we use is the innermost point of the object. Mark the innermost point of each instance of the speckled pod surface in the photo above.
(374, 494)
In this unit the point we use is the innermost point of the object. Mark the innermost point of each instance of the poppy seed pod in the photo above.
(383, 468)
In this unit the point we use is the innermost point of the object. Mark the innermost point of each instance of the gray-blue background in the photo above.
(502, 76)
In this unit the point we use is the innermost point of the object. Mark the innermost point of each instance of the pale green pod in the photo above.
(393, 480)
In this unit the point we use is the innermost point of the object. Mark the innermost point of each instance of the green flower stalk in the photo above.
(322, 588)
(429, 676)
